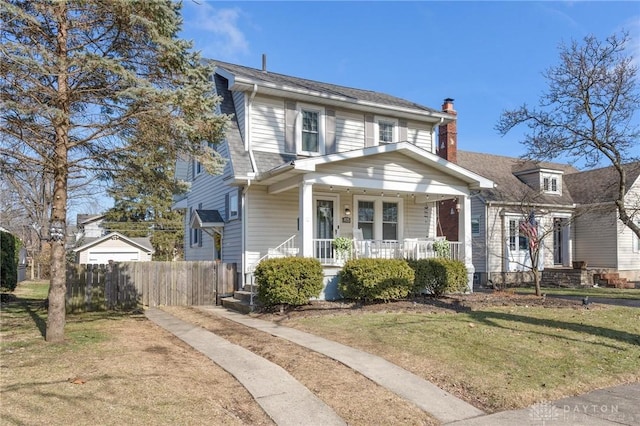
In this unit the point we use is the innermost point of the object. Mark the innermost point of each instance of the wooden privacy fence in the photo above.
(125, 285)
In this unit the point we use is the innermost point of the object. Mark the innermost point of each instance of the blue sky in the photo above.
(488, 56)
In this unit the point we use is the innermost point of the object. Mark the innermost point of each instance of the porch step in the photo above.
(612, 280)
(236, 305)
(243, 295)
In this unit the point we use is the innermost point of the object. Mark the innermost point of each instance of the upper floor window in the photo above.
(551, 184)
(387, 130)
(232, 206)
(310, 123)
(310, 131)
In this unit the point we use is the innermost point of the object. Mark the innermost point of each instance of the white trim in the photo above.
(377, 218)
(376, 129)
(300, 107)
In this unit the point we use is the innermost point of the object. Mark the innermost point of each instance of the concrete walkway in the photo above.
(619, 405)
(281, 396)
(428, 397)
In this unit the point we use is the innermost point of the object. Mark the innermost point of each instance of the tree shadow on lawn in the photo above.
(490, 318)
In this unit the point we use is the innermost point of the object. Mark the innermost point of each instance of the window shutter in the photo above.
(190, 229)
(290, 127)
(402, 131)
(369, 137)
(330, 137)
(226, 207)
(200, 230)
(240, 203)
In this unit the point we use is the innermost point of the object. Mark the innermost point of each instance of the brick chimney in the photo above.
(448, 135)
(448, 149)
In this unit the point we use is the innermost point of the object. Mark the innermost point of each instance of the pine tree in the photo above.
(79, 78)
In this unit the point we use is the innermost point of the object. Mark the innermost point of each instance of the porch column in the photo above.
(464, 236)
(306, 219)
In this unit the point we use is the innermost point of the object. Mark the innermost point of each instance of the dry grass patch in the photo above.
(495, 357)
(356, 399)
(114, 369)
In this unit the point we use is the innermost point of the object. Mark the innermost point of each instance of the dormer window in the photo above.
(551, 184)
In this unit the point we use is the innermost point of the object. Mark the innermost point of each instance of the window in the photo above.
(232, 208)
(550, 184)
(475, 225)
(366, 215)
(310, 131)
(516, 240)
(387, 130)
(379, 218)
(389, 221)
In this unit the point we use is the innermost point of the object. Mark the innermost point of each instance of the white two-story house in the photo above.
(309, 161)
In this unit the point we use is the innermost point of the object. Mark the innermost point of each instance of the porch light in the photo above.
(347, 210)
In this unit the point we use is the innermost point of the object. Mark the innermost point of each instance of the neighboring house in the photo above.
(574, 210)
(89, 227)
(309, 161)
(602, 240)
(114, 247)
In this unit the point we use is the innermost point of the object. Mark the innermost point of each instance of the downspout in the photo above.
(254, 167)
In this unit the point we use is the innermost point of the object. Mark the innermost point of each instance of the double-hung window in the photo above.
(517, 241)
(310, 131)
(389, 221)
(551, 184)
(379, 218)
(387, 130)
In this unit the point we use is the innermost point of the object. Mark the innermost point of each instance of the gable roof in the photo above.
(509, 188)
(600, 185)
(143, 243)
(245, 77)
(206, 219)
(475, 181)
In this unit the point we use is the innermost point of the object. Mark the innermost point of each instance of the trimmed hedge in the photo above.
(376, 279)
(8, 261)
(288, 280)
(439, 276)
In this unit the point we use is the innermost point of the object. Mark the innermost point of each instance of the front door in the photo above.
(560, 242)
(325, 225)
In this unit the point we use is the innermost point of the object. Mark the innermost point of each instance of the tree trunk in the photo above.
(58, 288)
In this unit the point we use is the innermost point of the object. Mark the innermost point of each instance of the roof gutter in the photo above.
(247, 84)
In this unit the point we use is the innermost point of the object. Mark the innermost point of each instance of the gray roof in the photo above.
(268, 160)
(325, 89)
(209, 216)
(501, 169)
(240, 161)
(600, 185)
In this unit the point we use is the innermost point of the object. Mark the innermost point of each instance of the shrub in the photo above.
(438, 276)
(288, 280)
(9, 261)
(376, 279)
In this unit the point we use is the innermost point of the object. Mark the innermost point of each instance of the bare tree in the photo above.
(588, 111)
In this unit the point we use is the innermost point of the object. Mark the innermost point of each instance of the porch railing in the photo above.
(384, 249)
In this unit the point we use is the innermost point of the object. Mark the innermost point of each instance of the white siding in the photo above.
(238, 103)
(495, 240)
(271, 219)
(420, 135)
(419, 219)
(596, 237)
(628, 256)
(117, 250)
(349, 131)
(389, 167)
(267, 124)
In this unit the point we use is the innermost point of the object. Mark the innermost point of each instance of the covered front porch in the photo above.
(384, 199)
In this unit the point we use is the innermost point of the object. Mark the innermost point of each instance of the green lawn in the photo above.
(610, 293)
(502, 357)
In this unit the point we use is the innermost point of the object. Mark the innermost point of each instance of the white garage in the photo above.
(114, 247)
